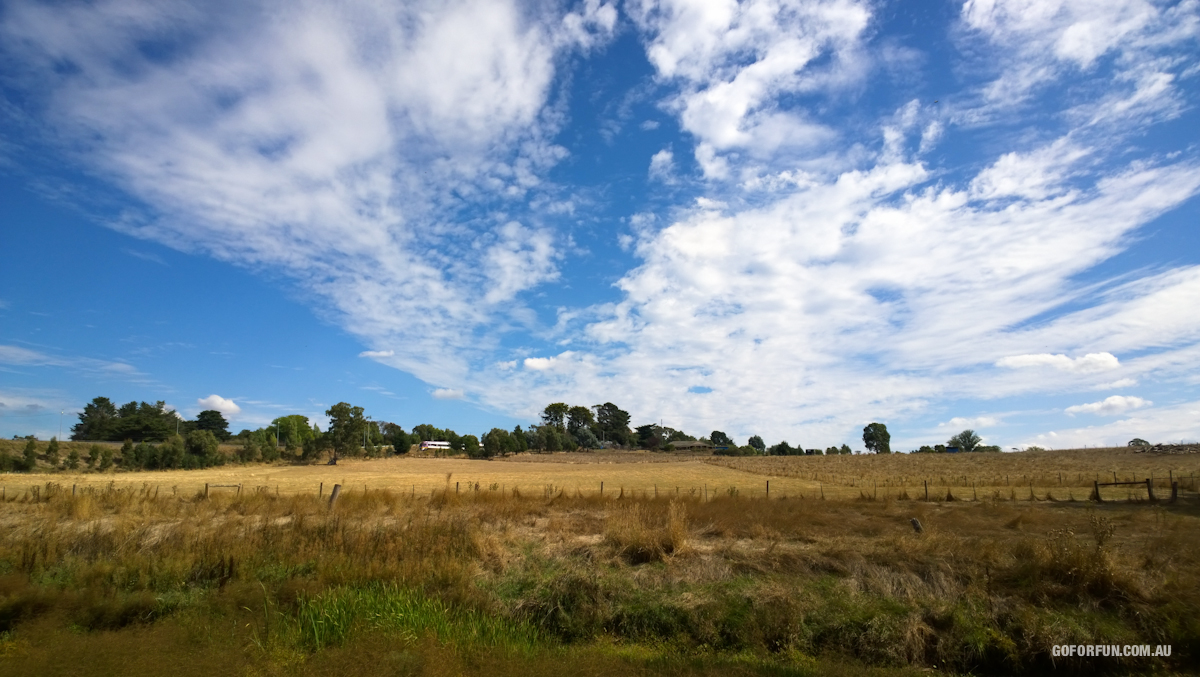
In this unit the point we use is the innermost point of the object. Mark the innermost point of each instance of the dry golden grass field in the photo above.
(536, 572)
(1054, 475)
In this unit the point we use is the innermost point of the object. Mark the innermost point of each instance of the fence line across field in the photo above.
(702, 491)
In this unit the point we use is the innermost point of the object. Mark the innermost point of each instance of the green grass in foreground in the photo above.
(119, 581)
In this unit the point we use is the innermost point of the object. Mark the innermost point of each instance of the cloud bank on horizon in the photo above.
(841, 220)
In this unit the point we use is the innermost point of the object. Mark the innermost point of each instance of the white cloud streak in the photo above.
(1110, 406)
(334, 142)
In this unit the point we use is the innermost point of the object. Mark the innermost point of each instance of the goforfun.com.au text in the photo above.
(1115, 650)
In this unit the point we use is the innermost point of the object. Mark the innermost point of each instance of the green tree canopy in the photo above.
(612, 423)
(556, 415)
(720, 439)
(95, 421)
(966, 441)
(214, 422)
(579, 418)
(139, 421)
(877, 438)
(346, 428)
(757, 443)
(495, 442)
(785, 449)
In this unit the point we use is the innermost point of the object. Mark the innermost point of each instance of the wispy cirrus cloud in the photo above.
(369, 131)
(26, 357)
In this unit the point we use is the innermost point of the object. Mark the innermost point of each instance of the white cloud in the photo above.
(1110, 406)
(218, 403)
(1092, 362)
(962, 422)
(822, 277)
(1035, 175)
(733, 59)
(1035, 43)
(540, 363)
(1119, 383)
(16, 355)
(520, 259)
(662, 166)
(1170, 424)
(25, 356)
(447, 394)
(337, 142)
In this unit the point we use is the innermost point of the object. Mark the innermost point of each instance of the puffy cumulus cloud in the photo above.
(447, 394)
(218, 403)
(732, 60)
(540, 363)
(363, 149)
(1092, 362)
(1110, 406)
(377, 354)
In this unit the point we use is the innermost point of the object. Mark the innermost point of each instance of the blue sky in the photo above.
(787, 218)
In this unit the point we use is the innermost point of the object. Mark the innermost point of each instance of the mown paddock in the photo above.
(1041, 475)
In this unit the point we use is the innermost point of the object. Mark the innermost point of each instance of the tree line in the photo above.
(155, 437)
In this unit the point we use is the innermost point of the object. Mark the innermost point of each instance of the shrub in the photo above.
(93, 457)
(52, 453)
(30, 456)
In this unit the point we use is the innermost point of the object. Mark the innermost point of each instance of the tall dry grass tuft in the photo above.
(641, 533)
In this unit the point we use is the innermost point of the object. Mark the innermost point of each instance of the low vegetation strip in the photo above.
(804, 585)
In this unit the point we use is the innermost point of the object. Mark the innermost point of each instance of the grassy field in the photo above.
(125, 573)
(1054, 475)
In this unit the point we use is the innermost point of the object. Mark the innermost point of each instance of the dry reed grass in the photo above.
(989, 585)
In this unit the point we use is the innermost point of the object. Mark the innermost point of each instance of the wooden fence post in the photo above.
(1174, 491)
(926, 490)
(602, 488)
(321, 491)
(1096, 492)
(1150, 489)
(768, 488)
(206, 489)
(337, 489)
